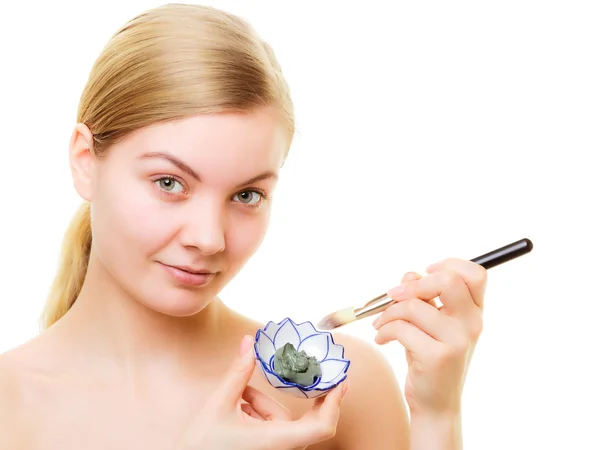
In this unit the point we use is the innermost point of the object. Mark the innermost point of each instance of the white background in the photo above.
(426, 130)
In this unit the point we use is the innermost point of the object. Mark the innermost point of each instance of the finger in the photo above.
(266, 406)
(331, 396)
(230, 390)
(409, 335)
(248, 409)
(325, 414)
(474, 275)
(327, 407)
(410, 276)
(413, 276)
(446, 284)
(317, 425)
(425, 317)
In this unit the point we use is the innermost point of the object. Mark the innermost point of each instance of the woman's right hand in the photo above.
(238, 416)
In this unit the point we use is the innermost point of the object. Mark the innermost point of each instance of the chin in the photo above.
(173, 298)
(178, 304)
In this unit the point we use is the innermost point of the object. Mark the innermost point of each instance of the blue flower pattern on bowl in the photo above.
(304, 336)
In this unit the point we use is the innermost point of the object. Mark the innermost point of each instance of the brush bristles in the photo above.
(337, 319)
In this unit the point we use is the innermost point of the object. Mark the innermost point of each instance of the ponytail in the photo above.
(75, 254)
(146, 74)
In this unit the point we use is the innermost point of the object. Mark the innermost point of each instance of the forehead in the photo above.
(252, 141)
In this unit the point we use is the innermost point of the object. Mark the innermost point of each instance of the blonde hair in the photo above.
(167, 63)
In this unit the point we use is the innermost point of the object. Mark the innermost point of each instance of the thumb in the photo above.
(231, 389)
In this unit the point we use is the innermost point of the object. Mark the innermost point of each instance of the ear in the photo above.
(81, 158)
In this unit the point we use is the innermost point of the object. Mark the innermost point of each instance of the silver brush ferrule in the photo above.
(377, 305)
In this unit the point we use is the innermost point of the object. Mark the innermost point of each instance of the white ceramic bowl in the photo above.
(302, 336)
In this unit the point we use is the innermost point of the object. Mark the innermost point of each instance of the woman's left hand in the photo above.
(439, 342)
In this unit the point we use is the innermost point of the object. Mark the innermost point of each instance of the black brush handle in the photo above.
(504, 254)
(381, 303)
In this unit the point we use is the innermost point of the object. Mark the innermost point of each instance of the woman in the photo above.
(182, 128)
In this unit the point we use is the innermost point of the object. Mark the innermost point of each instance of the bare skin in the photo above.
(57, 396)
(141, 352)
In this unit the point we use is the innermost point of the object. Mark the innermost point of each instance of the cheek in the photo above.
(129, 221)
(244, 237)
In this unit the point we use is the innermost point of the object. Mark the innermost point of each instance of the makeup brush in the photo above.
(379, 304)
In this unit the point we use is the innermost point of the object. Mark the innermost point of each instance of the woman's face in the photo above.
(177, 199)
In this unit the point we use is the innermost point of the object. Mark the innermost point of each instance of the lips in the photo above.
(188, 275)
(193, 271)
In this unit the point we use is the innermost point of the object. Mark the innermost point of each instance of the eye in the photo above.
(170, 185)
(250, 198)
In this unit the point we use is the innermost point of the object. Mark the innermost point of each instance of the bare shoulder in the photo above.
(11, 411)
(9, 384)
(373, 412)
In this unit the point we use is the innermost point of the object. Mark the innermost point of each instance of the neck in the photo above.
(106, 324)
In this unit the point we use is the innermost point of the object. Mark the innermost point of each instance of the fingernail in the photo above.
(396, 292)
(376, 322)
(246, 345)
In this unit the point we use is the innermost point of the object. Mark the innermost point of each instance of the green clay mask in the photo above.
(296, 367)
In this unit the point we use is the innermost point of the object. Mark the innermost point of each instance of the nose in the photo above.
(204, 229)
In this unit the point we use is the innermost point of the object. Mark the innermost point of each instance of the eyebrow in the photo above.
(191, 172)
